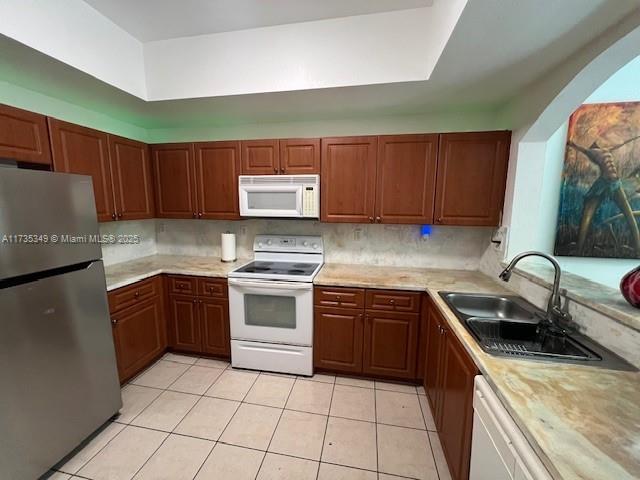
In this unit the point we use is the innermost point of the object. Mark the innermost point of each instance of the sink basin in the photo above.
(508, 325)
(490, 306)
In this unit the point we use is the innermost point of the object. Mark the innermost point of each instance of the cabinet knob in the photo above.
(200, 215)
(137, 294)
(392, 301)
(199, 301)
(113, 321)
(378, 219)
(338, 297)
(275, 170)
(195, 300)
(282, 170)
(371, 219)
(113, 216)
(195, 214)
(119, 214)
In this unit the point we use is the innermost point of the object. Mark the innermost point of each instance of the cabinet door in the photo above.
(300, 156)
(406, 176)
(132, 182)
(435, 335)
(174, 172)
(85, 151)
(184, 323)
(260, 157)
(348, 179)
(456, 412)
(390, 342)
(139, 336)
(472, 170)
(24, 136)
(337, 339)
(217, 170)
(214, 318)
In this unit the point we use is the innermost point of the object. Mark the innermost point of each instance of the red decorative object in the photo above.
(630, 287)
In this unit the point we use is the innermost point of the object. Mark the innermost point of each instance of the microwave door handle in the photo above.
(270, 284)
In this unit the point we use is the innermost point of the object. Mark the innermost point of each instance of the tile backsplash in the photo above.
(398, 245)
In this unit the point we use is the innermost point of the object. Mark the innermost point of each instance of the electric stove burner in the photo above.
(279, 268)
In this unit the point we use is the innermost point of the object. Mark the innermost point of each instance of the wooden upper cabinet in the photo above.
(260, 157)
(23, 136)
(472, 169)
(175, 184)
(300, 156)
(406, 176)
(84, 151)
(132, 179)
(348, 179)
(217, 170)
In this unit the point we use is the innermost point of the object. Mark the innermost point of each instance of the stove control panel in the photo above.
(289, 243)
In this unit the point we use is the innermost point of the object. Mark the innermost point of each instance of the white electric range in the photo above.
(271, 305)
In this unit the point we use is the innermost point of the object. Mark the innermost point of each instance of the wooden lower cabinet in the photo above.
(390, 341)
(338, 339)
(198, 322)
(214, 321)
(369, 341)
(139, 332)
(448, 381)
(184, 331)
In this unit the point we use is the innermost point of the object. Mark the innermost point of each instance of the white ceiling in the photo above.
(149, 20)
(498, 47)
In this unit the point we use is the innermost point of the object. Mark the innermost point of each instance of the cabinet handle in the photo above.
(114, 321)
(195, 300)
(137, 294)
(195, 214)
(371, 219)
(392, 301)
(282, 170)
(338, 297)
(378, 219)
(211, 289)
(119, 214)
(200, 215)
(113, 216)
(275, 169)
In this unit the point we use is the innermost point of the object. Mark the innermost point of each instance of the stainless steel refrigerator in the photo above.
(58, 377)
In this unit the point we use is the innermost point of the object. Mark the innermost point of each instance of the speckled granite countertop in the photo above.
(125, 273)
(583, 422)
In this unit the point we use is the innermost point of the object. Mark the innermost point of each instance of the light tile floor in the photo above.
(187, 418)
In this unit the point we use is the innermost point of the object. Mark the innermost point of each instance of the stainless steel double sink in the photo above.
(510, 326)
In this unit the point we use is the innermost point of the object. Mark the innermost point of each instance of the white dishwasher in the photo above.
(499, 450)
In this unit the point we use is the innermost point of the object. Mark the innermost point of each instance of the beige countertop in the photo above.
(583, 422)
(125, 273)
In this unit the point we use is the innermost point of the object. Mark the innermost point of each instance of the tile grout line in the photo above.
(276, 428)
(324, 437)
(375, 415)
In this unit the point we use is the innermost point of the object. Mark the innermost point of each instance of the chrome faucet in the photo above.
(555, 315)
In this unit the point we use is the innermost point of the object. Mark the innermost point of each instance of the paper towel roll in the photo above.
(228, 247)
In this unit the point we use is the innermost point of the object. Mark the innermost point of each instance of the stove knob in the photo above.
(305, 244)
(314, 246)
(269, 242)
(259, 244)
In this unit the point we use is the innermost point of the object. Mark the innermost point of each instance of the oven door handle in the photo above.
(268, 284)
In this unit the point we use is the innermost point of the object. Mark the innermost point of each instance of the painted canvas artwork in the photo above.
(600, 193)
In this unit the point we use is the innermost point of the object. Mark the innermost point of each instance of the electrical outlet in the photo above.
(357, 234)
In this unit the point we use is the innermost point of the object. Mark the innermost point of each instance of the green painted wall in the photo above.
(14, 95)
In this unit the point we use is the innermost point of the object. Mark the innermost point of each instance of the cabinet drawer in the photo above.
(339, 297)
(393, 301)
(132, 294)
(212, 287)
(181, 284)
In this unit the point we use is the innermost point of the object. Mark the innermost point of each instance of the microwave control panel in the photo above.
(310, 202)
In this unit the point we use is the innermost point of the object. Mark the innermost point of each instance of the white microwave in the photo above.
(287, 196)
